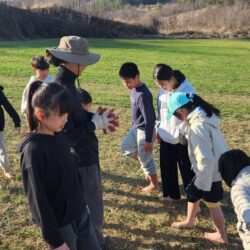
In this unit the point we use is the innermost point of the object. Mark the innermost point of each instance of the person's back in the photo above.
(234, 166)
(240, 196)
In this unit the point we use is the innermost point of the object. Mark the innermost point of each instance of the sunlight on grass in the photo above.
(219, 69)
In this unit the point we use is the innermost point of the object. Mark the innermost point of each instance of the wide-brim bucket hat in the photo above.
(74, 49)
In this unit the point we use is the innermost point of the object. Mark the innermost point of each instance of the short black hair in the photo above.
(231, 163)
(129, 70)
(39, 62)
(84, 95)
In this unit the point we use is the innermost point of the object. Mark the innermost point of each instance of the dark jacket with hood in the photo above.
(4, 103)
(79, 128)
(51, 183)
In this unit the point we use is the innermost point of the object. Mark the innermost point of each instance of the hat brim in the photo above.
(169, 115)
(88, 59)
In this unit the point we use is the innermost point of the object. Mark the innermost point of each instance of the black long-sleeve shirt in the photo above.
(4, 103)
(79, 129)
(143, 114)
(51, 183)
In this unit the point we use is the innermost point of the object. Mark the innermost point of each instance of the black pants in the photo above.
(170, 156)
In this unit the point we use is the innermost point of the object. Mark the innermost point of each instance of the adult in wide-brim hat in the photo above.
(74, 49)
(72, 56)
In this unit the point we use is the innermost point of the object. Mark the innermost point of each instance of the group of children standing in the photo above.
(60, 157)
(188, 130)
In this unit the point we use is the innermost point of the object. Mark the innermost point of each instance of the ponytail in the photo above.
(179, 76)
(164, 72)
(50, 97)
(197, 101)
(31, 120)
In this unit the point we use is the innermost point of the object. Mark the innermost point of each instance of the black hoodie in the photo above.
(51, 183)
(4, 103)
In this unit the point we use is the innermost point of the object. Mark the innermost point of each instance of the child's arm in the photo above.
(24, 100)
(10, 110)
(33, 175)
(146, 107)
(201, 145)
(240, 196)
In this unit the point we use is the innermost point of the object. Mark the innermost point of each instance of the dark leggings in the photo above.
(171, 156)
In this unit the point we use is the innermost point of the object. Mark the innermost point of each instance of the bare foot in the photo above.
(182, 224)
(7, 175)
(216, 237)
(149, 188)
(135, 156)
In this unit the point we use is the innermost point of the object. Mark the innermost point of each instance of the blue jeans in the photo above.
(134, 142)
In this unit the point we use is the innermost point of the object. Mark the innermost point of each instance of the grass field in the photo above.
(220, 71)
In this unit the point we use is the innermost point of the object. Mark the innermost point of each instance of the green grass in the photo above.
(220, 71)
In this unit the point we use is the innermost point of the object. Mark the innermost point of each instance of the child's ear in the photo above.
(39, 114)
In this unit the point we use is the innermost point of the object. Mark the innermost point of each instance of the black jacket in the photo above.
(52, 183)
(4, 103)
(79, 128)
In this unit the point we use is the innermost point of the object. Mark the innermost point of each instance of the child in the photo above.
(85, 99)
(50, 173)
(173, 145)
(40, 69)
(205, 145)
(4, 103)
(139, 140)
(234, 166)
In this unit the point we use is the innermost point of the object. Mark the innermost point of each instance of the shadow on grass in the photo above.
(164, 240)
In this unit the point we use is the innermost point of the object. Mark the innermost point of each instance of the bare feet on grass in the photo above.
(153, 183)
(150, 188)
(216, 237)
(182, 224)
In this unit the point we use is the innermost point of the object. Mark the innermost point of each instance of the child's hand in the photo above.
(18, 130)
(148, 147)
(64, 246)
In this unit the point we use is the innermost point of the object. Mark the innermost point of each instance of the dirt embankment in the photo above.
(18, 23)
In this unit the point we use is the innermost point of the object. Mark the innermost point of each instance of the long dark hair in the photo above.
(164, 72)
(197, 101)
(51, 97)
(231, 163)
